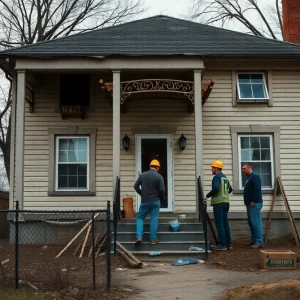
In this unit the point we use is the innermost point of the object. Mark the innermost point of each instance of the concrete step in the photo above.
(163, 246)
(131, 227)
(170, 256)
(164, 236)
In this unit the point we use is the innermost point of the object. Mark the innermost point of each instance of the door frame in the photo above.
(169, 137)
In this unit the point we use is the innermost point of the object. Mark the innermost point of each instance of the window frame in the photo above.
(57, 138)
(254, 129)
(271, 155)
(77, 131)
(235, 95)
(240, 99)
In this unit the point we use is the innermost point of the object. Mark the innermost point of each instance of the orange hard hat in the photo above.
(155, 163)
(217, 164)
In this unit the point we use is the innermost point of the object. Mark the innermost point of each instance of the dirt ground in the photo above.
(244, 258)
(69, 274)
(288, 289)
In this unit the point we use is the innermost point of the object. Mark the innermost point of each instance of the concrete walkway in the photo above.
(192, 282)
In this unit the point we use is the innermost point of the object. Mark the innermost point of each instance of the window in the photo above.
(258, 150)
(72, 163)
(75, 89)
(252, 87)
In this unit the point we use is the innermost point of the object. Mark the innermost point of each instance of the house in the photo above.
(93, 106)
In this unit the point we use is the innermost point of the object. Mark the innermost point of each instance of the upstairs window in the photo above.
(72, 163)
(75, 89)
(252, 87)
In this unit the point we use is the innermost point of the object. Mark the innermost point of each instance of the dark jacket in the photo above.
(153, 187)
(252, 189)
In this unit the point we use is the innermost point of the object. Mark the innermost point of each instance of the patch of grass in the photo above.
(24, 294)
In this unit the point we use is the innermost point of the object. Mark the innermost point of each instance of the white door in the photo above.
(156, 146)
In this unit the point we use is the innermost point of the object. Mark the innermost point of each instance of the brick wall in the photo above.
(291, 21)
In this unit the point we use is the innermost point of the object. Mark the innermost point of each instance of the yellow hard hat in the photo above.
(217, 164)
(155, 163)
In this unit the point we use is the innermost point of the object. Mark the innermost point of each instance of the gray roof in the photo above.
(160, 36)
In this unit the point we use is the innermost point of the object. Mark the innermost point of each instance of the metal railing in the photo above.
(116, 211)
(202, 213)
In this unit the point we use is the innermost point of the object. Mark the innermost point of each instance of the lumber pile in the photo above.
(82, 238)
(128, 256)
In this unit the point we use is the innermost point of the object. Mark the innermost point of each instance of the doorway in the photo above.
(156, 146)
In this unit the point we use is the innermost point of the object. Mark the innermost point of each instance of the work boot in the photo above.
(138, 242)
(154, 242)
(256, 246)
(229, 247)
(218, 247)
(249, 244)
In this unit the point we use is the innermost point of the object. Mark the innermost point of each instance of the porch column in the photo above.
(12, 140)
(19, 147)
(116, 125)
(198, 132)
(198, 124)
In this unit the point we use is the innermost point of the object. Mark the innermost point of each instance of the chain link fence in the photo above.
(52, 250)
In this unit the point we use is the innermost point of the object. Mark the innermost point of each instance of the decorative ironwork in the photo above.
(128, 88)
(157, 85)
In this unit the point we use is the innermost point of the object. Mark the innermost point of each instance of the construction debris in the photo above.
(129, 257)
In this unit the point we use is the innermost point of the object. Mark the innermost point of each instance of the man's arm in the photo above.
(161, 188)
(137, 185)
(216, 183)
(256, 183)
(229, 188)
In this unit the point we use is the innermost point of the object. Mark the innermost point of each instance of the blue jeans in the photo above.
(222, 225)
(146, 208)
(254, 221)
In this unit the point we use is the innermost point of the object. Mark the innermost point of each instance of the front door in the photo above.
(156, 146)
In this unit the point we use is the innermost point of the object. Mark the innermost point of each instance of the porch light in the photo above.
(126, 142)
(182, 142)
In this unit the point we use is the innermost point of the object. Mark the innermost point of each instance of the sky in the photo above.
(181, 9)
(176, 8)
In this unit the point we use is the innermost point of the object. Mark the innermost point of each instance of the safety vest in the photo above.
(222, 195)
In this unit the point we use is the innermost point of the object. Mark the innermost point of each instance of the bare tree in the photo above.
(25, 22)
(251, 14)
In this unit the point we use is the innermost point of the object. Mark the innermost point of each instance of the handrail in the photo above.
(202, 213)
(116, 211)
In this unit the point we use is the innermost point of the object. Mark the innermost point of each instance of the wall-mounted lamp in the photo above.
(126, 142)
(182, 142)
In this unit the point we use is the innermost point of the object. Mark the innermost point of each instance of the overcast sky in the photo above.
(177, 8)
(180, 9)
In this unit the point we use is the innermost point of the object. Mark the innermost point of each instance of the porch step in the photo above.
(164, 236)
(170, 255)
(163, 246)
(162, 227)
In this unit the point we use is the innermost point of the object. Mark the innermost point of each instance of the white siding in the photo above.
(219, 115)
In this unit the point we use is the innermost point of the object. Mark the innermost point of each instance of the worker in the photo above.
(152, 192)
(254, 203)
(219, 194)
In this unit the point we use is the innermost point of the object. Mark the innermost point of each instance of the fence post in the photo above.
(93, 245)
(108, 246)
(17, 245)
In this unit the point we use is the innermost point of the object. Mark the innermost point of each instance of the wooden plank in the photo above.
(271, 211)
(294, 227)
(78, 245)
(76, 236)
(128, 253)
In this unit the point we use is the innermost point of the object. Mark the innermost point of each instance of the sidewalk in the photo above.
(191, 282)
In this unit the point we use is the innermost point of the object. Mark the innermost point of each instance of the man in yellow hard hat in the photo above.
(219, 194)
(152, 193)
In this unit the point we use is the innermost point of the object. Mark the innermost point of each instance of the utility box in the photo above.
(278, 260)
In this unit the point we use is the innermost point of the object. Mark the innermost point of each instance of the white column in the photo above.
(20, 118)
(12, 141)
(198, 132)
(198, 124)
(116, 124)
